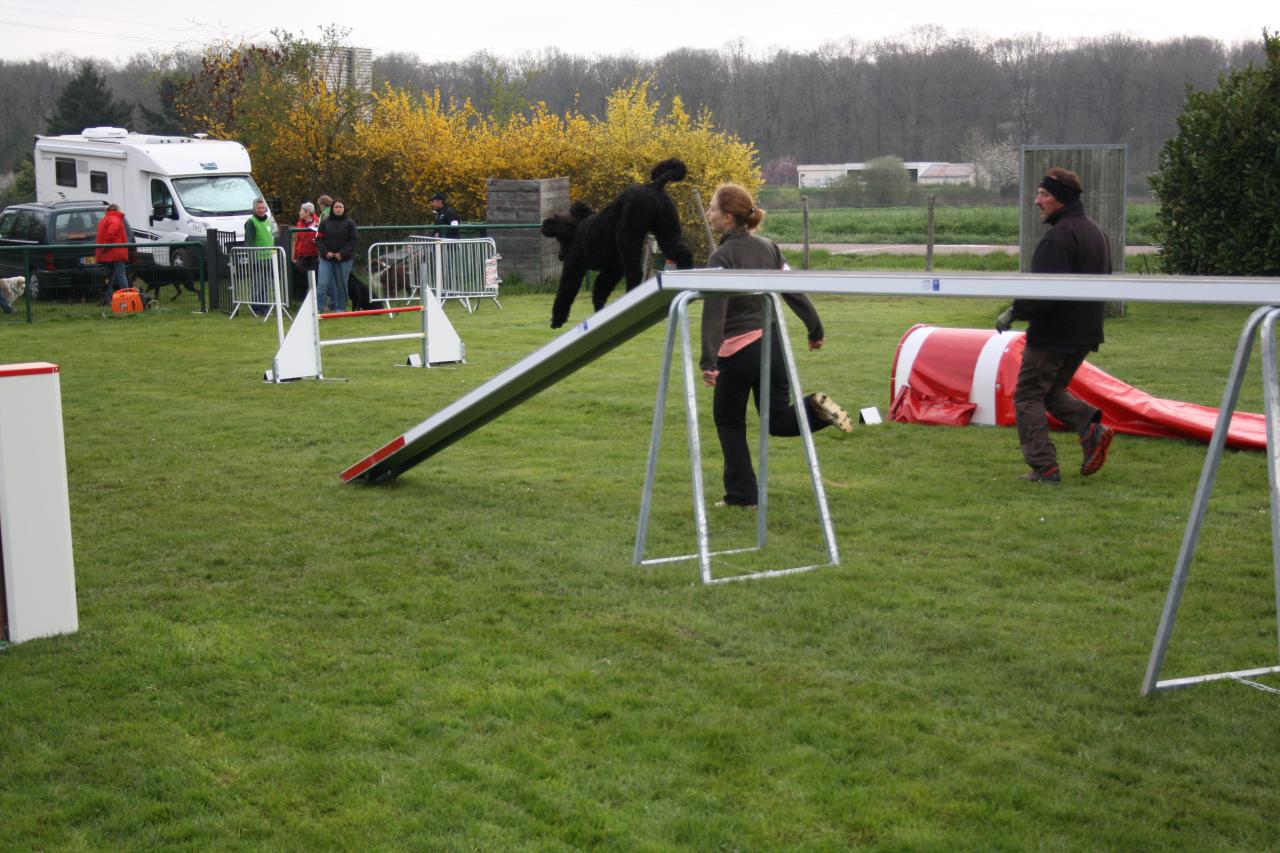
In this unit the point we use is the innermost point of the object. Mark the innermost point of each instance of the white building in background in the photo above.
(347, 68)
(930, 173)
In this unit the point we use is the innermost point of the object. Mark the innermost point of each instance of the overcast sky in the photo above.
(451, 29)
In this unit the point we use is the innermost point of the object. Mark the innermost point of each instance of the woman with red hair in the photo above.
(732, 329)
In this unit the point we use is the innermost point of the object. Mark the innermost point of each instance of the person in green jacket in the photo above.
(260, 231)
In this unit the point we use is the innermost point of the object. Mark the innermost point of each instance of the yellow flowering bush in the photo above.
(386, 155)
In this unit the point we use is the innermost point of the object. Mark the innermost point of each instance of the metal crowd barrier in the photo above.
(396, 271)
(258, 280)
(465, 270)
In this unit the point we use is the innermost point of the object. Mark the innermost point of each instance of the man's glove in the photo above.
(1005, 321)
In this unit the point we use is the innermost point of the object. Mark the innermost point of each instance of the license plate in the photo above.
(87, 261)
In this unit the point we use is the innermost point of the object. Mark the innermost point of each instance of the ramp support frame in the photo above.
(678, 321)
(1265, 319)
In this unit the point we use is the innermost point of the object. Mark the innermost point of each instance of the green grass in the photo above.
(467, 659)
(821, 259)
(952, 225)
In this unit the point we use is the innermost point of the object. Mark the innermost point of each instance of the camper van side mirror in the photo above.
(158, 212)
(275, 205)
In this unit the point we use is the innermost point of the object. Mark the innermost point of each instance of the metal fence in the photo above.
(65, 280)
(464, 269)
(258, 280)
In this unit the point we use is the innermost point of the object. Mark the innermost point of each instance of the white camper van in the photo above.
(172, 189)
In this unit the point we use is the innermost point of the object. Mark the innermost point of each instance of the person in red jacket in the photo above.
(305, 256)
(111, 229)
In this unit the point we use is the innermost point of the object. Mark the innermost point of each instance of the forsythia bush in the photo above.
(386, 156)
(414, 147)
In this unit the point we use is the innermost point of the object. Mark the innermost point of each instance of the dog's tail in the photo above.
(668, 171)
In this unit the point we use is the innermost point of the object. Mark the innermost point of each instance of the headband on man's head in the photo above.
(1059, 190)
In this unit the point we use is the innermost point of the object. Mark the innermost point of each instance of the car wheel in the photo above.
(181, 259)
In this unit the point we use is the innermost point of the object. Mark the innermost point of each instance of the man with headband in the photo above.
(1060, 333)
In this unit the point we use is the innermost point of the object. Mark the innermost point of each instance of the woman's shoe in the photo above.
(829, 411)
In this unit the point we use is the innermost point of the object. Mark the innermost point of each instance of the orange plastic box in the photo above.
(126, 300)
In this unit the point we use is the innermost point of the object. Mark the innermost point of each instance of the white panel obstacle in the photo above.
(298, 356)
(36, 562)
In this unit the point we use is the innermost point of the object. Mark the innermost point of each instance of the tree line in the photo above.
(926, 95)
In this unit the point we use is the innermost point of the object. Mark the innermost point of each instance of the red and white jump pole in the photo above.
(299, 354)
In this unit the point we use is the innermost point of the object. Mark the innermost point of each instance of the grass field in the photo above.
(952, 225)
(467, 659)
(821, 259)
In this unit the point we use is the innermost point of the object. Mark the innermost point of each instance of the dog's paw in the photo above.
(557, 322)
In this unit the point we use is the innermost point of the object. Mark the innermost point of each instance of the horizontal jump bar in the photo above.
(1219, 290)
(332, 315)
(407, 336)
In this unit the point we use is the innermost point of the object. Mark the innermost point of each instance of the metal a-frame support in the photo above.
(678, 320)
(1265, 317)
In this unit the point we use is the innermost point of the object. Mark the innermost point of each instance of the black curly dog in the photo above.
(612, 241)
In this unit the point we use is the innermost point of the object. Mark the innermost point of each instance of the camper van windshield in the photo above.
(217, 195)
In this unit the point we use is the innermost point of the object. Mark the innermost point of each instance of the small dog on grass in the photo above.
(11, 290)
(612, 241)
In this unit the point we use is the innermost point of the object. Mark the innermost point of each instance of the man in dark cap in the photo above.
(445, 215)
(1060, 333)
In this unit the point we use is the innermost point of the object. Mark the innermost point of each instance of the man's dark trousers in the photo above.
(1042, 386)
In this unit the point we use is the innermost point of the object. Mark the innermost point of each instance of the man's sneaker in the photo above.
(1049, 476)
(829, 411)
(1094, 443)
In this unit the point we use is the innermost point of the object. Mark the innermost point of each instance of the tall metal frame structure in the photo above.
(647, 304)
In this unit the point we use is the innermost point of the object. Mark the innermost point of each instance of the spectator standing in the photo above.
(445, 215)
(1060, 333)
(336, 245)
(305, 257)
(732, 329)
(111, 229)
(260, 231)
(326, 205)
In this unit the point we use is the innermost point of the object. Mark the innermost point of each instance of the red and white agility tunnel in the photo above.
(963, 376)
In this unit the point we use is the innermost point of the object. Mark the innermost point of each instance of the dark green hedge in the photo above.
(1219, 177)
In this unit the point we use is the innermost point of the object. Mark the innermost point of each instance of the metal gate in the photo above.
(465, 270)
(258, 280)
